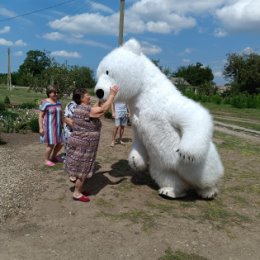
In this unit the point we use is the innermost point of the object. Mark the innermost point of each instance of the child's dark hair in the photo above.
(78, 94)
(51, 89)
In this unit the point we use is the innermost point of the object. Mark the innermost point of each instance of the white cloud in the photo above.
(186, 52)
(240, 15)
(186, 61)
(159, 16)
(7, 13)
(53, 36)
(87, 23)
(100, 7)
(18, 54)
(18, 43)
(164, 17)
(6, 29)
(5, 42)
(218, 74)
(65, 54)
(149, 48)
(219, 33)
(87, 43)
(248, 50)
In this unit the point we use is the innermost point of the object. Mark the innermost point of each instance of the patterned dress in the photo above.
(83, 143)
(52, 121)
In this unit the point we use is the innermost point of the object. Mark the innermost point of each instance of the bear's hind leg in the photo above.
(171, 185)
(136, 161)
(208, 193)
(138, 158)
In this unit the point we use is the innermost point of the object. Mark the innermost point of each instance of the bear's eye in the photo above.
(107, 72)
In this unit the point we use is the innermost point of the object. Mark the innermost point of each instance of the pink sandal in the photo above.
(49, 163)
(82, 198)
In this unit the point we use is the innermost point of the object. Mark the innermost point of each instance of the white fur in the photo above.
(172, 134)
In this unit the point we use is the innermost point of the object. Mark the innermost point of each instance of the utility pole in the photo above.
(9, 78)
(121, 22)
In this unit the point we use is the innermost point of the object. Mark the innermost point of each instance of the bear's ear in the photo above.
(134, 46)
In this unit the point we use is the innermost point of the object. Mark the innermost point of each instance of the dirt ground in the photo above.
(126, 219)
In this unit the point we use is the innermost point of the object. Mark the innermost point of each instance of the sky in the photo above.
(175, 32)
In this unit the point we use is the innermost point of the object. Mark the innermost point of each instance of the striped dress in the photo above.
(52, 121)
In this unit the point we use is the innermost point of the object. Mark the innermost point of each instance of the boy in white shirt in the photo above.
(120, 114)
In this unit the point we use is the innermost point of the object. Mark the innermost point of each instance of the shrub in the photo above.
(216, 99)
(7, 101)
(34, 125)
(8, 114)
(28, 105)
(108, 114)
(11, 122)
(2, 107)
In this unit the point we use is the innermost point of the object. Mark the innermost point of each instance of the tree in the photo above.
(64, 77)
(196, 75)
(35, 63)
(166, 71)
(82, 77)
(244, 72)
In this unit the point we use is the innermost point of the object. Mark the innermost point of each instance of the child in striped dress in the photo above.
(50, 125)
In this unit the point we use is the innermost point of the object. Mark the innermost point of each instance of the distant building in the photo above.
(223, 89)
(182, 84)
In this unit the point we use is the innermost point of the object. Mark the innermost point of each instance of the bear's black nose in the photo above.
(100, 93)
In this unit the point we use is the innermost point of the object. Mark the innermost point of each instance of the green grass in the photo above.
(247, 113)
(247, 125)
(20, 95)
(230, 142)
(217, 213)
(135, 216)
(179, 255)
(104, 203)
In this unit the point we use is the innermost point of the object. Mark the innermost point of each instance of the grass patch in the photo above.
(135, 216)
(247, 113)
(103, 203)
(179, 255)
(219, 216)
(20, 95)
(162, 207)
(230, 142)
(126, 186)
(247, 125)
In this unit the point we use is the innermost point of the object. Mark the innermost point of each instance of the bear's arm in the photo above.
(196, 129)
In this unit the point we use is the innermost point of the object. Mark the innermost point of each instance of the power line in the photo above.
(36, 11)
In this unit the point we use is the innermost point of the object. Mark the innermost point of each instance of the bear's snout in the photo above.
(100, 93)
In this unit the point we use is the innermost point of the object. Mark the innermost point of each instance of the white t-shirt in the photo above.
(120, 109)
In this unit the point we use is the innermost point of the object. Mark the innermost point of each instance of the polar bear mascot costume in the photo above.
(172, 134)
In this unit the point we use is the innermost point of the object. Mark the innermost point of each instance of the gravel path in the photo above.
(17, 179)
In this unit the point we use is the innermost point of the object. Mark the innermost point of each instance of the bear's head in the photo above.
(122, 67)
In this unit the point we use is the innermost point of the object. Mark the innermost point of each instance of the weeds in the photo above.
(179, 255)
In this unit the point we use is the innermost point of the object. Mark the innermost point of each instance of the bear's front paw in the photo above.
(137, 163)
(185, 156)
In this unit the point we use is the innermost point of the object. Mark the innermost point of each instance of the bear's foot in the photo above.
(171, 193)
(208, 193)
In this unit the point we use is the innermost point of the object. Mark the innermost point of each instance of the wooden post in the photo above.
(121, 22)
(9, 78)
